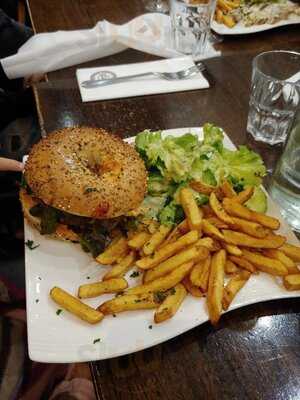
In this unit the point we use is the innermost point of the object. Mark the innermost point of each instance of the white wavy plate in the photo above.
(64, 338)
(241, 29)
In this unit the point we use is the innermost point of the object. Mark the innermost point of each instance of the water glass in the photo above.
(191, 25)
(285, 183)
(275, 95)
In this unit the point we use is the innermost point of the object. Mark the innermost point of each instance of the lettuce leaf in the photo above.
(173, 161)
(171, 156)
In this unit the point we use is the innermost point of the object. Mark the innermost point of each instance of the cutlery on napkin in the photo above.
(144, 85)
(45, 52)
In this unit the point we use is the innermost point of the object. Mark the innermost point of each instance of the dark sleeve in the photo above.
(12, 36)
(8, 108)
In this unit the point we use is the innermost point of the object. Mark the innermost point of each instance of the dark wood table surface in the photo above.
(254, 353)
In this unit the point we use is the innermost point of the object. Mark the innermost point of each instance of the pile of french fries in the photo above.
(212, 253)
(222, 12)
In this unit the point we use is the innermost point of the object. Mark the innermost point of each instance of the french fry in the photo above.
(291, 251)
(171, 304)
(287, 261)
(191, 209)
(138, 240)
(219, 210)
(209, 243)
(224, 5)
(215, 286)
(227, 190)
(207, 211)
(168, 250)
(230, 267)
(292, 282)
(90, 290)
(217, 222)
(238, 210)
(202, 187)
(120, 269)
(203, 252)
(233, 4)
(245, 195)
(116, 249)
(156, 239)
(242, 239)
(192, 289)
(265, 264)
(219, 15)
(177, 231)
(249, 227)
(165, 282)
(233, 286)
(75, 306)
(200, 274)
(171, 263)
(243, 263)
(129, 302)
(211, 230)
(232, 249)
(229, 21)
(153, 226)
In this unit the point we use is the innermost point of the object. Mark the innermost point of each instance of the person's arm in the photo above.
(12, 36)
(7, 164)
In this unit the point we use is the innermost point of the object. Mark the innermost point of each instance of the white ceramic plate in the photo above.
(241, 29)
(64, 338)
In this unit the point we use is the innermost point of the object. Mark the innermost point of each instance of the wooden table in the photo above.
(255, 352)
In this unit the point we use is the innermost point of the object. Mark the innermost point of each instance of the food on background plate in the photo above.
(255, 12)
(78, 184)
(199, 225)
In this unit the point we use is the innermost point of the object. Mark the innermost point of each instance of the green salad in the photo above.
(173, 162)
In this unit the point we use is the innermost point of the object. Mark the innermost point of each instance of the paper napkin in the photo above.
(45, 52)
(141, 86)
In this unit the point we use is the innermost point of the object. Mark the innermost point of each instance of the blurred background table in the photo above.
(255, 352)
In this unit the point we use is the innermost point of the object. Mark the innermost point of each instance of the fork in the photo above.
(169, 76)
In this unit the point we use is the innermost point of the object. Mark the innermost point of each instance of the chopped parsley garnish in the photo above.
(96, 340)
(58, 311)
(172, 291)
(89, 190)
(134, 274)
(31, 245)
(137, 300)
(150, 327)
(159, 297)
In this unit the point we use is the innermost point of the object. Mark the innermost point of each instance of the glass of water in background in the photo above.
(191, 25)
(275, 95)
(285, 183)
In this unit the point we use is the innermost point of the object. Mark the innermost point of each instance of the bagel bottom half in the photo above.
(62, 231)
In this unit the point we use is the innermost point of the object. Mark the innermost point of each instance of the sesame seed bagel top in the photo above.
(86, 171)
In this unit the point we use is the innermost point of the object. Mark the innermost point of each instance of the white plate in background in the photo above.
(241, 29)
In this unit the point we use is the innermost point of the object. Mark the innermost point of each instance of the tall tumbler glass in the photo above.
(285, 183)
(191, 25)
(275, 95)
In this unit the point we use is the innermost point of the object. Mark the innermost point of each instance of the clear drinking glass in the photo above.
(275, 95)
(191, 24)
(157, 6)
(285, 183)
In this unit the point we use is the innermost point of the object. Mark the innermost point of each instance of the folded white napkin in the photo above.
(141, 86)
(45, 52)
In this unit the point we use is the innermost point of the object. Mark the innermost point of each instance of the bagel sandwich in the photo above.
(80, 183)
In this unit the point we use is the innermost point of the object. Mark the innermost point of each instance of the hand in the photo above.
(7, 164)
